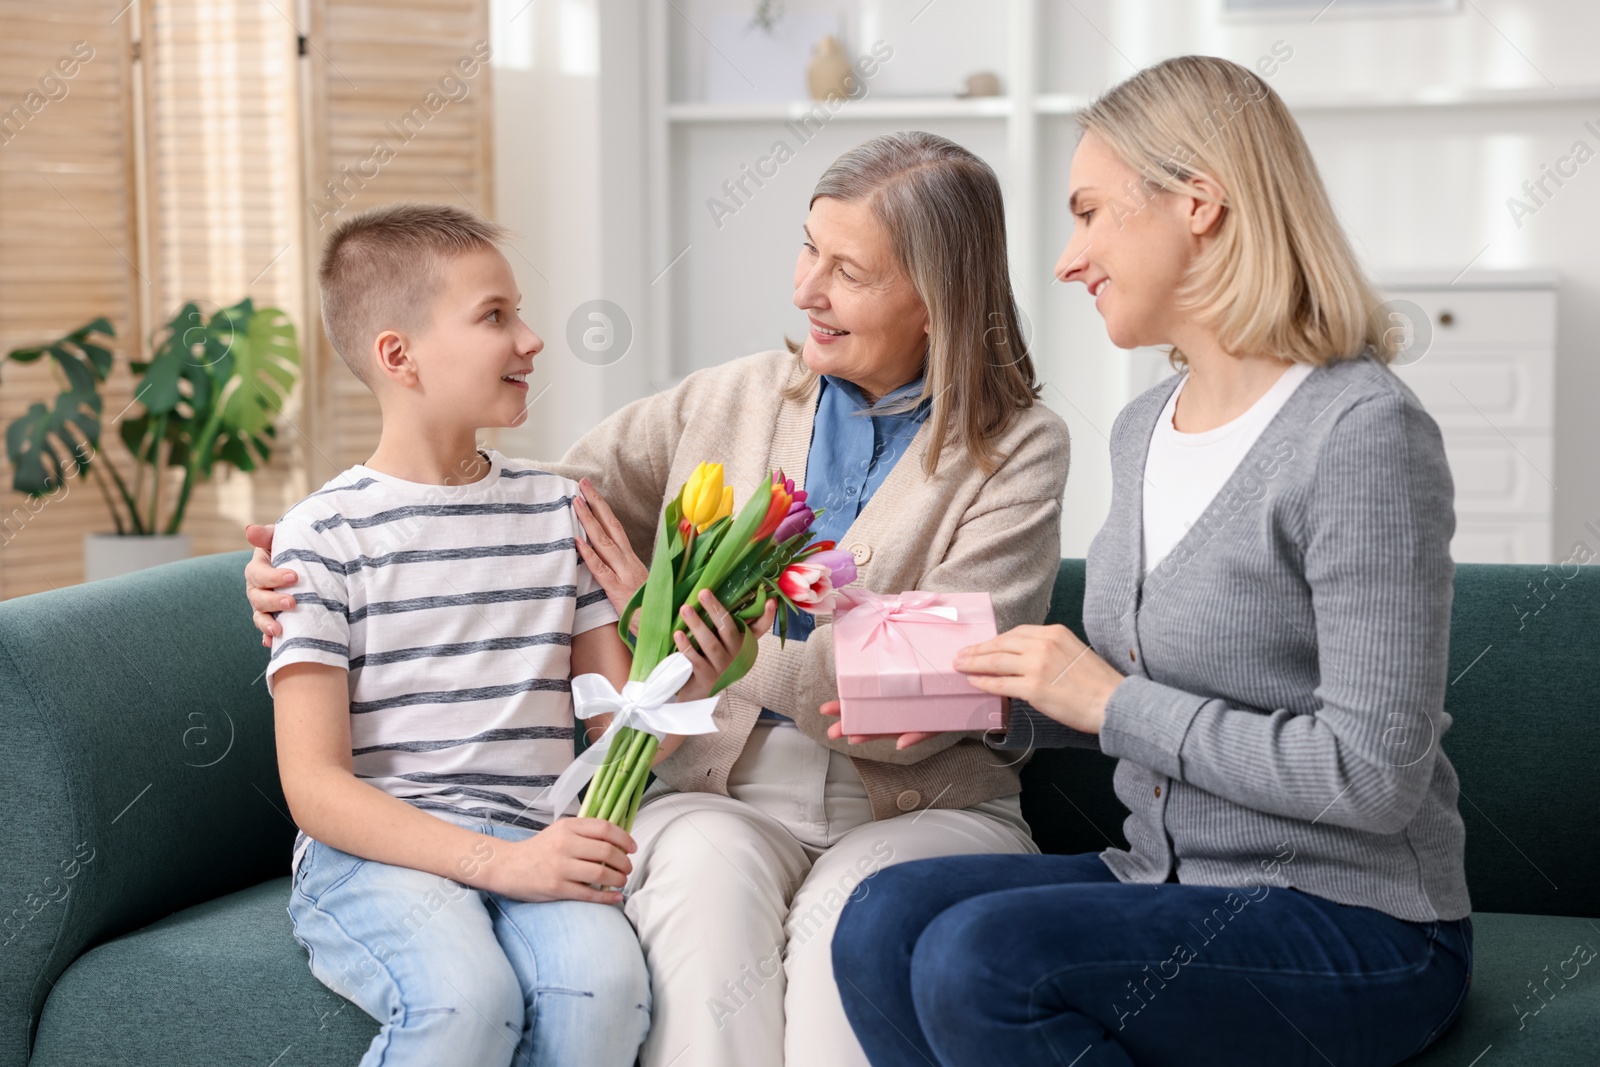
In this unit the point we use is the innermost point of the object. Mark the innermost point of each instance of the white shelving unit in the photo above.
(1021, 133)
(683, 130)
(987, 107)
(719, 280)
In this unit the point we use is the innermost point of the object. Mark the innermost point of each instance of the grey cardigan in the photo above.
(1286, 663)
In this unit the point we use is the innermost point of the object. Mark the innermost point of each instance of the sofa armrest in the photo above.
(138, 771)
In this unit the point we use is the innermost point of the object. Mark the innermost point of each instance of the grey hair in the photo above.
(944, 212)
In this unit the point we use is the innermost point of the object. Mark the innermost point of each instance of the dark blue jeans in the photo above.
(1050, 960)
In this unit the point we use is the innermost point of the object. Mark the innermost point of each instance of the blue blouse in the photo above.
(851, 454)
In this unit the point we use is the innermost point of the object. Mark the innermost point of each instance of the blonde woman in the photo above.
(909, 414)
(1268, 609)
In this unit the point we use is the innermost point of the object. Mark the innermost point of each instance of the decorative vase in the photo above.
(108, 555)
(830, 73)
(983, 83)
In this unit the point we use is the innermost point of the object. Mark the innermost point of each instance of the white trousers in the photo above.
(736, 897)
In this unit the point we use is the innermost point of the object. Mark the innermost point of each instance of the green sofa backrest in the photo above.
(1525, 697)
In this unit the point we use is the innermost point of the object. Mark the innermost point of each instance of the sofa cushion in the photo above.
(1533, 998)
(221, 982)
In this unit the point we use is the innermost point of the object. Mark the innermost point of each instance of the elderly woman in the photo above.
(1268, 609)
(910, 414)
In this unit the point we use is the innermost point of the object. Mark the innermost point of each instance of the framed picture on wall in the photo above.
(1246, 9)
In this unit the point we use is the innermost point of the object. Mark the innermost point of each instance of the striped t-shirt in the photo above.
(453, 607)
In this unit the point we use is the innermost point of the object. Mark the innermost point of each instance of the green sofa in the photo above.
(146, 840)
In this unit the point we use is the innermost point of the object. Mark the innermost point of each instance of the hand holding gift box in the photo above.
(895, 653)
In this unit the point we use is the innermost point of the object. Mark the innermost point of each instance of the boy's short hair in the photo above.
(381, 269)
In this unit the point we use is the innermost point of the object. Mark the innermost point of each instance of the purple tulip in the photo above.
(797, 521)
(840, 562)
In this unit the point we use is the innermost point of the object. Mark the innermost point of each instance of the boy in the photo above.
(422, 691)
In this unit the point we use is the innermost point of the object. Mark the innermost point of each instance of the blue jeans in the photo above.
(1051, 960)
(459, 975)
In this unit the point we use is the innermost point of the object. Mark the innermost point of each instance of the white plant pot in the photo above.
(108, 555)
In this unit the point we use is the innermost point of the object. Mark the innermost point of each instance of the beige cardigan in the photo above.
(958, 530)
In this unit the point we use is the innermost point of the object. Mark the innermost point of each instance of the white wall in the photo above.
(1417, 187)
(568, 179)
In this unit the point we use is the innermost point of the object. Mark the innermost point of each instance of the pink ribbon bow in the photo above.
(873, 616)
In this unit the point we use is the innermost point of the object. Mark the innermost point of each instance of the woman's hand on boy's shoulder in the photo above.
(261, 584)
(605, 547)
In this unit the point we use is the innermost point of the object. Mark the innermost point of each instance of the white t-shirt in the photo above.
(453, 608)
(1185, 471)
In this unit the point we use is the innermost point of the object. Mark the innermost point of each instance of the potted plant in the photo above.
(210, 393)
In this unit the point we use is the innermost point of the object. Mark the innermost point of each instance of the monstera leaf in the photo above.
(167, 366)
(210, 392)
(229, 378)
(266, 361)
(83, 362)
(46, 439)
(176, 389)
(262, 362)
(44, 442)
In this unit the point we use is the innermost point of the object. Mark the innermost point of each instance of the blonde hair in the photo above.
(942, 208)
(1281, 277)
(381, 269)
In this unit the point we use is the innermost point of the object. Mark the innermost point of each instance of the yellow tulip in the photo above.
(724, 509)
(705, 499)
(692, 491)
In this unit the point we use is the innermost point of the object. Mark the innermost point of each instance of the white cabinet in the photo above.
(1487, 376)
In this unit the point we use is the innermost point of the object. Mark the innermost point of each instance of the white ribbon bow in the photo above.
(646, 705)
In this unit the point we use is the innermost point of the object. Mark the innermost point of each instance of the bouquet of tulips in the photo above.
(745, 560)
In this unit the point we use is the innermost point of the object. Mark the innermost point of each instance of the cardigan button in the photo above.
(861, 552)
(1158, 792)
(1132, 656)
(908, 800)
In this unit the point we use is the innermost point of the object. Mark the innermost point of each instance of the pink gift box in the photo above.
(894, 654)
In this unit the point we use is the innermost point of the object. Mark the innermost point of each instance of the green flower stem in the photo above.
(628, 798)
(602, 779)
(624, 775)
(633, 812)
(615, 785)
(586, 810)
(602, 782)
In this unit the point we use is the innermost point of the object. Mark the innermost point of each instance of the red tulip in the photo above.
(809, 585)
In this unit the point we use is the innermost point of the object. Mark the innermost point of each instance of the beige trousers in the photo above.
(736, 897)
